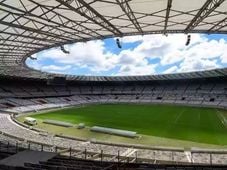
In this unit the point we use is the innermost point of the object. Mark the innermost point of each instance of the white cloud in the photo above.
(87, 55)
(55, 68)
(132, 39)
(191, 64)
(136, 70)
(172, 57)
(201, 54)
(224, 58)
(172, 69)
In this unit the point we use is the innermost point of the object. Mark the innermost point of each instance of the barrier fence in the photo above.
(209, 157)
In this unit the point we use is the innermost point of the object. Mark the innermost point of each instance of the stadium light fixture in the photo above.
(64, 50)
(188, 40)
(118, 43)
(32, 58)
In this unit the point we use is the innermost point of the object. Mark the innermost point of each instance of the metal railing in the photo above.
(16, 146)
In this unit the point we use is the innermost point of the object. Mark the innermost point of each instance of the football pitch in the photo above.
(201, 125)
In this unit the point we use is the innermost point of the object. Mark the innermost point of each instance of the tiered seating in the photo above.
(21, 102)
(70, 163)
(61, 90)
(33, 91)
(49, 91)
(6, 149)
(32, 97)
(86, 90)
(5, 93)
(65, 162)
(15, 90)
(74, 90)
(97, 90)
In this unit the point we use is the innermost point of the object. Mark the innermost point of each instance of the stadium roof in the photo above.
(30, 26)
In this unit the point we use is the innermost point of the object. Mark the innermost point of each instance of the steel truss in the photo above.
(30, 26)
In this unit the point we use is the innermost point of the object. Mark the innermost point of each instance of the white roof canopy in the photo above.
(30, 26)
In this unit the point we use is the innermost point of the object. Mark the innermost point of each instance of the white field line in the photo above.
(178, 116)
(222, 118)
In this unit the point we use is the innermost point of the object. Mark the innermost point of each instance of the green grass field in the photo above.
(201, 125)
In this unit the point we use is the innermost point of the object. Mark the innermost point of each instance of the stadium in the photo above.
(61, 121)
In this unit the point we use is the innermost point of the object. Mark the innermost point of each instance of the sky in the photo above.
(139, 55)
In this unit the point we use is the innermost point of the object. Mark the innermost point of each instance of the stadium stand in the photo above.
(16, 156)
(29, 26)
(200, 92)
(187, 92)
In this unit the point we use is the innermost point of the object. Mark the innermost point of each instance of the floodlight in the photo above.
(188, 40)
(118, 43)
(64, 50)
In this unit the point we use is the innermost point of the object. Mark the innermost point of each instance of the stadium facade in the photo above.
(28, 26)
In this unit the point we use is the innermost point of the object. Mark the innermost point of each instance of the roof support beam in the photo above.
(169, 5)
(85, 10)
(59, 26)
(6, 52)
(36, 22)
(29, 37)
(13, 45)
(77, 27)
(16, 20)
(20, 26)
(31, 30)
(18, 49)
(24, 42)
(219, 25)
(128, 11)
(7, 58)
(11, 55)
(206, 9)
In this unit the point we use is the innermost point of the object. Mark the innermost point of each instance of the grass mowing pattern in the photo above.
(179, 122)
